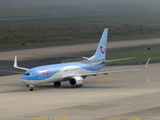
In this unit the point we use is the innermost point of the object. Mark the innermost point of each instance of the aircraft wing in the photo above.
(119, 59)
(108, 72)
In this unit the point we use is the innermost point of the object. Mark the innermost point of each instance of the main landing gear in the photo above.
(31, 87)
(78, 85)
(57, 84)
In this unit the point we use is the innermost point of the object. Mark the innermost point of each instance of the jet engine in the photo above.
(77, 81)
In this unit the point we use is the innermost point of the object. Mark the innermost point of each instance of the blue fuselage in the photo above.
(60, 72)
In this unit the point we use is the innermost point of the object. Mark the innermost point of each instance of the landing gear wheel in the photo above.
(31, 87)
(78, 85)
(57, 84)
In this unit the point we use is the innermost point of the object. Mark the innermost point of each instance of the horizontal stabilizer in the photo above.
(85, 58)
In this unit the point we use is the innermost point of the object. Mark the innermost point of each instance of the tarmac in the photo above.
(117, 96)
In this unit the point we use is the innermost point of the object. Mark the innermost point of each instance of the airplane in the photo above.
(74, 72)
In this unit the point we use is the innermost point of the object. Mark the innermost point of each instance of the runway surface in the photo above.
(118, 96)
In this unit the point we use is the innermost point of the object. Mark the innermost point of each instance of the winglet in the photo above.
(146, 64)
(15, 65)
(15, 62)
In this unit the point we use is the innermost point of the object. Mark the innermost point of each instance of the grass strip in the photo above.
(66, 30)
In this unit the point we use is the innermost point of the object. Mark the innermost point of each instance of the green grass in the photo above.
(140, 54)
(43, 10)
(66, 30)
(113, 18)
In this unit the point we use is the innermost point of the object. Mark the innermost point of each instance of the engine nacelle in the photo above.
(76, 81)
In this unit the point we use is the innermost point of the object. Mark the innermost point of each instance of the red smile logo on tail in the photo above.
(103, 51)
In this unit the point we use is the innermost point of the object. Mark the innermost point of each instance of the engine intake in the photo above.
(76, 81)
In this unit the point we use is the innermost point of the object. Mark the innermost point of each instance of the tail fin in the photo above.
(101, 49)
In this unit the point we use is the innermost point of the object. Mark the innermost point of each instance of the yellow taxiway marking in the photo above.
(61, 118)
(147, 79)
(134, 118)
(40, 119)
(20, 92)
(12, 93)
(69, 118)
(11, 71)
(123, 78)
(113, 118)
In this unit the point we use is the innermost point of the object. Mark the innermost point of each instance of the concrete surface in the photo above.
(119, 95)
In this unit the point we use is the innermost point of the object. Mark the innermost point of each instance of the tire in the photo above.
(57, 84)
(31, 89)
(78, 85)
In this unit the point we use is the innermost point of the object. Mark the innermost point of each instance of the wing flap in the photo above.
(119, 59)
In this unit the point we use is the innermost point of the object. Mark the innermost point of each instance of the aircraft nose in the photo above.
(25, 81)
(24, 77)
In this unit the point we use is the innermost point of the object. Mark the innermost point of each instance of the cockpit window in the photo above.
(28, 74)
